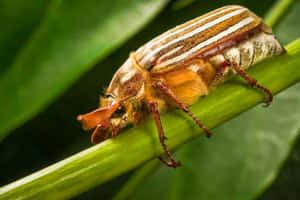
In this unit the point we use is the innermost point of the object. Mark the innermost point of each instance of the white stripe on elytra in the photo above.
(206, 26)
(207, 42)
(151, 44)
(170, 53)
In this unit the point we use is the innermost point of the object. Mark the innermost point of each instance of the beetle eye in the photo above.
(119, 112)
(109, 96)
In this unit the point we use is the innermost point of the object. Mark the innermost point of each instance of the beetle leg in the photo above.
(163, 88)
(154, 110)
(252, 81)
(220, 73)
(115, 131)
(100, 134)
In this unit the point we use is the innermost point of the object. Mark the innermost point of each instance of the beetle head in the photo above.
(121, 104)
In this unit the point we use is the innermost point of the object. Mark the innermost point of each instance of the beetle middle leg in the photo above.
(154, 110)
(250, 80)
(165, 90)
(220, 73)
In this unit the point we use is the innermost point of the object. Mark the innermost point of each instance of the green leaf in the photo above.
(181, 4)
(72, 37)
(286, 185)
(18, 20)
(288, 28)
(277, 11)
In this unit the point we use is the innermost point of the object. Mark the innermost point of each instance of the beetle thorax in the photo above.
(128, 83)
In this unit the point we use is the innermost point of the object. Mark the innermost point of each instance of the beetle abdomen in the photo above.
(249, 52)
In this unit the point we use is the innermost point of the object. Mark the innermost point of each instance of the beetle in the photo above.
(177, 67)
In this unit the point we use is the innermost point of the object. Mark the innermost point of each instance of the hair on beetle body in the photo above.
(179, 66)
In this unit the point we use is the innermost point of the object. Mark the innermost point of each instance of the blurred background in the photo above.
(56, 57)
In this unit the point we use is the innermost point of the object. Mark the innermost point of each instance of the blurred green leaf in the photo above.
(288, 28)
(72, 37)
(287, 183)
(277, 11)
(18, 20)
(182, 3)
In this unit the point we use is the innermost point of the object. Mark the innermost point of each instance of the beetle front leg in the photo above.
(155, 112)
(251, 81)
(100, 133)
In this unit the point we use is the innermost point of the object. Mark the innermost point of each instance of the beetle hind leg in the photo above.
(162, 138)
(251, 81)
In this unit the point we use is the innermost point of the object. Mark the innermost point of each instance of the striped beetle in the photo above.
(179, 66)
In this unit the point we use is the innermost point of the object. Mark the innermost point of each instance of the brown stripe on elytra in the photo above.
(215, 49)
(193, 27)
(190, 42)
(223, 45)
(202, 36)
(145, 48)
(229, 41)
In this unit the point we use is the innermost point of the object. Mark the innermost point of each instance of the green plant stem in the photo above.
(140, 144)
(277, 11)
(136, 179)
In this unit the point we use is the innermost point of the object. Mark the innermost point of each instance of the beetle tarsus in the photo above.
(163, 88)
(172, 163)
